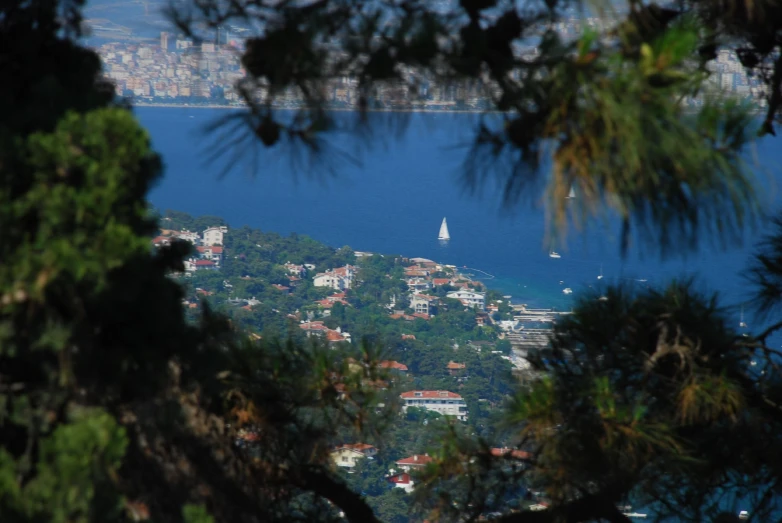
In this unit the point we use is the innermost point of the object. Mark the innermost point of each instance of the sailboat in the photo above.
(741, 321)
(444, 235)
(600, 276)
(572, 193)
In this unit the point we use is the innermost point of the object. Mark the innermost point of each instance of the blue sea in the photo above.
(391, 198)
(394, 199)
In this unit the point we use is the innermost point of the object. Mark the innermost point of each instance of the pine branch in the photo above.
(353, 505)
(769, 331)
(587, 508)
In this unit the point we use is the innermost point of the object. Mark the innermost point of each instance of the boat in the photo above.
(603, 298)
(567, 290)
(600, 276)
(572, 193)
(553, 254)
(743, 515)
(444, 234)
(741, 321)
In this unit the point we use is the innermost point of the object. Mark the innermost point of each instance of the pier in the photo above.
(529, 339)
(484, 273)
(523, 314)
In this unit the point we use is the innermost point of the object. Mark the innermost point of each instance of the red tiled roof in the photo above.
(452, 365)
(441, 281)
(421, 315)
(391, 364)
(512, 453)
(401, 478)
(408, 336)
(430, 394)
(280, 287)
(313, 326)
(334, 336)
(415, 460)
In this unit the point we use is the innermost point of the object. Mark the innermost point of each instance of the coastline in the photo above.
(330, 109)
(756, 111)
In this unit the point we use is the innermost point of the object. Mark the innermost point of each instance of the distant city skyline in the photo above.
(168, 72)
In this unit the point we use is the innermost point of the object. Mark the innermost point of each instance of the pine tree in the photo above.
(112, 406)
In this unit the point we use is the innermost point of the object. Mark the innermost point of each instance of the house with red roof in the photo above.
(401, 316)
(393, 365)
(313, 327)
(441, 401)
(402, 480)
(193, 265)
(509, 453)
(455, 368)
(414, 462)
(159, 241)
(319, 329)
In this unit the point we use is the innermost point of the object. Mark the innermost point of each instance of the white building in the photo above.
(214, 235)
(469, 298)
(423, 303)
(338, 279)
(191, 237)
(442, 401)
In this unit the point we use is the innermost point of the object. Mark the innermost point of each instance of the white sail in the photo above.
(572, 193)
(444, 235)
